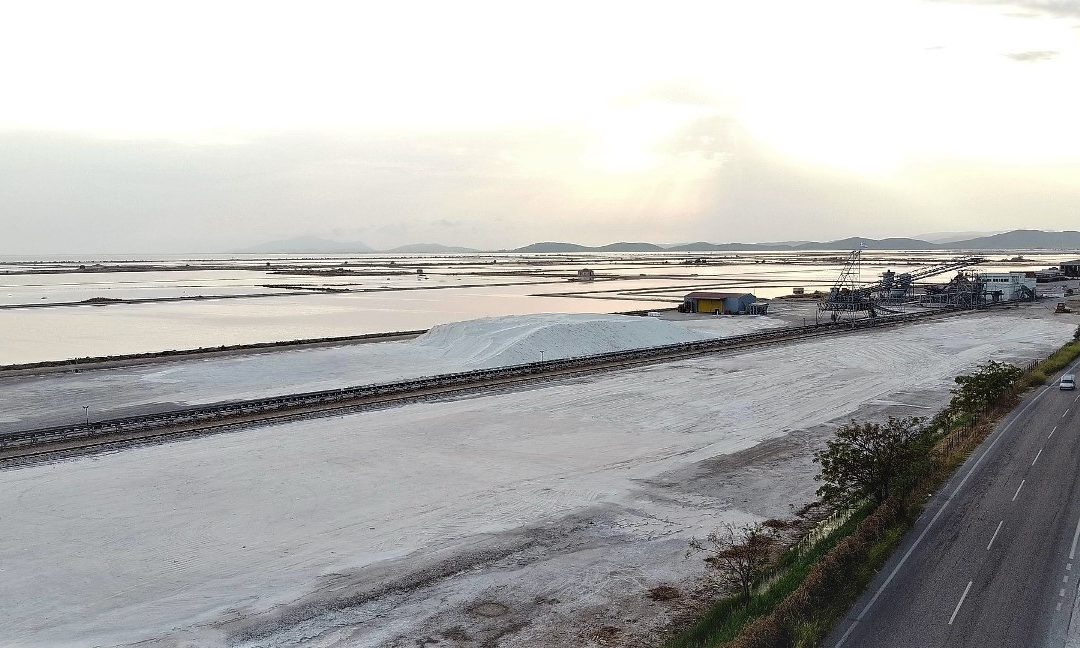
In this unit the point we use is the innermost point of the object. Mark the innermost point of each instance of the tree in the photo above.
(986, 386)
(739, 553)
(873, 461)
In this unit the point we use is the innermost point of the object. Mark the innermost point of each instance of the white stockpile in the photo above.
(476, 344)
(503, 341)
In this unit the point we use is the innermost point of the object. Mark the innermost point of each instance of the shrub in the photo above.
(873, 461)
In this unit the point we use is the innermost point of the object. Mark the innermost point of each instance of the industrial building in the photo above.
(1050, 275)
(1071, 268)
(722, 303)
(1008, 286)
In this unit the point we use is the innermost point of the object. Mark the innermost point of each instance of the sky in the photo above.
(210, 126)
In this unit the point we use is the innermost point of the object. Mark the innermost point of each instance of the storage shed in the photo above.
(1071, 268)
(720, 303)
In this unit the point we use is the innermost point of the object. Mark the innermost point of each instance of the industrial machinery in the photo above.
(965, 290)
(849, 296)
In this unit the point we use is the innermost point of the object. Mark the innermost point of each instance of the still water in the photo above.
(213, 301)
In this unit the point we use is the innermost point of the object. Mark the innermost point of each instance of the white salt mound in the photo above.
(517, 339)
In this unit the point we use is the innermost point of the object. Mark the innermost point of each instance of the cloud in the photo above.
(1033, 56)
(498, 189)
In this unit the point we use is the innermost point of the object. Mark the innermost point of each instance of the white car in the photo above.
(1068, 382)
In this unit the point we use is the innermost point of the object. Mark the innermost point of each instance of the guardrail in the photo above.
(464, 379)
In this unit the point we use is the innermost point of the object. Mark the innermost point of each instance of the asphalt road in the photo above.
(994, 560)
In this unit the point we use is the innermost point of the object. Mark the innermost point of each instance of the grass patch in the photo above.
(1055, 363)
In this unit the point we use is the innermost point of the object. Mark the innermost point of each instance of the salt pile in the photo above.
(502, 341)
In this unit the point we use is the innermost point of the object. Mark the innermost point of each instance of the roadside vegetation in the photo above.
(1055, 363)
(877, 476)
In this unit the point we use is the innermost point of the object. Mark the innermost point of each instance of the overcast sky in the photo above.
(205, 126)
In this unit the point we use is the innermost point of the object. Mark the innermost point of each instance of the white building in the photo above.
(1008, 286)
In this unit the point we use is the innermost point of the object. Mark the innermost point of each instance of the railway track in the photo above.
(59, 441)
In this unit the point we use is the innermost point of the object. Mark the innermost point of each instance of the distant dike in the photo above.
(1014, 240)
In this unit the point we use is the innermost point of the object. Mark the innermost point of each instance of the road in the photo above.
(993, 560)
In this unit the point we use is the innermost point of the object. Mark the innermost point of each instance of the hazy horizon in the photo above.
(136, 128)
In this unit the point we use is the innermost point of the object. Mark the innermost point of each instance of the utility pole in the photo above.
(541, 355)
(86, 412)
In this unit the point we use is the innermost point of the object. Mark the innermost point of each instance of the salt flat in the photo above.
(57, 398)
(390, 527)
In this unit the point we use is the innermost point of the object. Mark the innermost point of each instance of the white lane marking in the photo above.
(918, 540)
(1052, 432)
(1065, 578)
(959, 603)
(1058, 608)
(996, 531)
(1068, 567)
(1066, 413)
(1018, 489)
(1036, 457)
(1076, 536)
(1061, 592)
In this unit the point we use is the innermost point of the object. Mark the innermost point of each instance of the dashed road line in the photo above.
(961, 602)
(918, 540)
(993, 537)
(1018, 489)
(1076, 536)
(1036, 457)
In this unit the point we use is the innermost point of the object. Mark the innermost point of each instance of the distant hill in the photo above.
(857, 242)
(950, 237)
(1014, 240)
(628, 247)
(702, 246)
(1021, 240)
(551, 247)
(306, 245)
(430, 248)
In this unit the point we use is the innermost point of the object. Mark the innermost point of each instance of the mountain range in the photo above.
(1014, 240)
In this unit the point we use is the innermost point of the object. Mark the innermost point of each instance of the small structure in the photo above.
(585, 274)
(718, 303)
(1071, 268)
